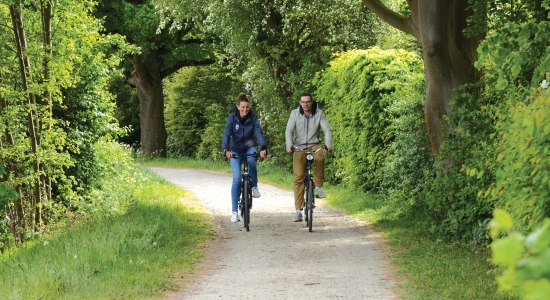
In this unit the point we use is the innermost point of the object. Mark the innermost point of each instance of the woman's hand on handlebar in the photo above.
(263, 153)
(289, 149)
(227, 153)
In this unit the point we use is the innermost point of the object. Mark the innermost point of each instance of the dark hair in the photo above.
(306, 95)
(242, 98)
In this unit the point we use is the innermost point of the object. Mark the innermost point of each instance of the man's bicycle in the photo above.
(245, 201)
(309, 185)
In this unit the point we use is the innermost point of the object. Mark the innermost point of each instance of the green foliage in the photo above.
(518, 52)
(165, 46)
(73, 111)
(370, 95)
(117, 180)
(389, 37)
(523, 160)
(132, 255)
(465, 166)
(523, 259)
(198, 101)
(408, 167)
(210, 145)
(276, 47)
(488, 146)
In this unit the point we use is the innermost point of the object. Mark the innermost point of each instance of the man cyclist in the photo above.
(302, 130)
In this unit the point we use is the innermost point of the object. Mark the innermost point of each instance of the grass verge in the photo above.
(132, 255)
(426, 267)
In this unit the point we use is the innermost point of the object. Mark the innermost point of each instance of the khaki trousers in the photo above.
(299, 172)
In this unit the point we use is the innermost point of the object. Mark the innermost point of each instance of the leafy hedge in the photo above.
(374, 102)
(522, 181)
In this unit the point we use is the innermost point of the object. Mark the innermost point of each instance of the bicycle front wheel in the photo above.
(309, 205)
(247, 200)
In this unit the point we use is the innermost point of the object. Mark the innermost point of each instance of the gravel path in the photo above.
(279, 259)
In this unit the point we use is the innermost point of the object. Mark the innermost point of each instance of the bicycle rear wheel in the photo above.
(247, 200)
(309, 205)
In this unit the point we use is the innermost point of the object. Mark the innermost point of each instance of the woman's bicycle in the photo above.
(309, 185)
(245, 201)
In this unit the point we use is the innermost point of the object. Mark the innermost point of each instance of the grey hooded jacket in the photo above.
(303, 131)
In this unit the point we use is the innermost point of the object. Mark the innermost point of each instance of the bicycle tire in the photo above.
(247, 194)
(309, 206)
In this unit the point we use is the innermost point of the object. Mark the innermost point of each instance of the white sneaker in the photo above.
(256, 192)
(320, 193)
(297, 217)
(235, 217)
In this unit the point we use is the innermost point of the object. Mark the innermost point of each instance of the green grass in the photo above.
(425, 267)
(134, 255)
(185, 163)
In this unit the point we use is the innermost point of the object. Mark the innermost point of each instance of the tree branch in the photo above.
(389, 16)
(186, 63)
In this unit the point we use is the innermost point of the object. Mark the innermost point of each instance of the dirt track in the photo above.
(279, 259)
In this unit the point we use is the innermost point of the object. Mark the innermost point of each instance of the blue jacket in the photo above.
(241, 134)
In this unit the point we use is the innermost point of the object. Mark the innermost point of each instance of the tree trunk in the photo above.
(46, 14)
(447, 54)
(4, 106)
(148, 80)
(25, 72)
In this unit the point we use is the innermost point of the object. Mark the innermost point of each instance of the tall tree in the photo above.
(25, 70)
(448, 54)
(54, 69)
(276, 47)
(166, 47)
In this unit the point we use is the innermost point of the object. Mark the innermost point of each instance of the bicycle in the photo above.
(309, 185)
(245, 201)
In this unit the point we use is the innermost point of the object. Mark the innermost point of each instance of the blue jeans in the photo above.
(236, 169)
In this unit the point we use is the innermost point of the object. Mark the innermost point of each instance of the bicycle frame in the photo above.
(245, 201)
(309, 185)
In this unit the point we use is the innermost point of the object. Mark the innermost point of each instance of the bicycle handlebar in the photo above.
(298, 149)
(255, 155)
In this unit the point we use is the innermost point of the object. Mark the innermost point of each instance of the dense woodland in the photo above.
(440, 107)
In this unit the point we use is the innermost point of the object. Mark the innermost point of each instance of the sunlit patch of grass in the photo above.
(434, 268)
(222, 165)
(133, 255)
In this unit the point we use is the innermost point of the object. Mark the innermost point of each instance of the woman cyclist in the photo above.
(241, 131)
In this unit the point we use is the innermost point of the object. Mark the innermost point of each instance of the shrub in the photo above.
(522, 184)
(360, 91)
(189, 93)
(523, 260)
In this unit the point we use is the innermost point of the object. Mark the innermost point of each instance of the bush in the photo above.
(189, 94)
(523, 260)
(407, 168)
(465, 167)
(491, 156)
(210, 146)
(522, 184)
(366, 93)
